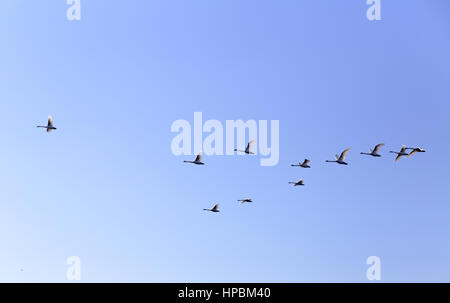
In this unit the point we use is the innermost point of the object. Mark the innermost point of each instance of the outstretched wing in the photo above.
(344, 154)
(412, 153)
(403, 150)
(377, 148)
(249, 145)
(199, 157)
(398, 157)
(306, 162)
(216, 207)
(50, 121)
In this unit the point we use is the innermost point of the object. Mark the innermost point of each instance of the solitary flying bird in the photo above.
(374, 152)
(305, 164)
(198, 160)
(415, 150)
(247, 150)
(299, 183)
(400, 154)
(215, 209)
(248, 200)
(341, 158)
(49, 126)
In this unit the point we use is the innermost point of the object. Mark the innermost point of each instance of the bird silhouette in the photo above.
(248, 149)
(305, 164)
(341, 158)
(298, 183)
(49, 126)
(375, 151)
(400, 154)
(215, 209)
(197, 161)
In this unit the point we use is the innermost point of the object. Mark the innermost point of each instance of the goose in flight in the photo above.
(415, 150)
(49, 126)
(299, 183)
(249, 147)
(247, 200)
(198, 160)
(374, 152)
(305, 164)
(401, 153)
(341, 158)
(215, 209)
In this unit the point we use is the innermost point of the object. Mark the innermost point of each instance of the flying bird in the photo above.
(198, 160)
(341, 158)
(415, 150)
(305, 164)
(248, 200)
(249, 147)
(49, 126)
(401, 153)
(299, 183)
(375, 151)
(215, 209)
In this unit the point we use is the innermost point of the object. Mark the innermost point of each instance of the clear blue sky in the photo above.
(106, 187)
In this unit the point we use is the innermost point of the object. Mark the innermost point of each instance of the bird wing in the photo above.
(199, 157)
(216, 207)
(300, 181)
(398, 157)
(403, 149)
(412, 153)
(50, 121)
(344, 154)
(249, 145)
(377, 148)
(306, 162)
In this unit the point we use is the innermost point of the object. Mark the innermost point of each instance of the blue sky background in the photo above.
(106, 187)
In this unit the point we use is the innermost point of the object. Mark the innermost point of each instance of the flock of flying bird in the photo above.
(339, 160)
(374, 153)
(404, 151)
